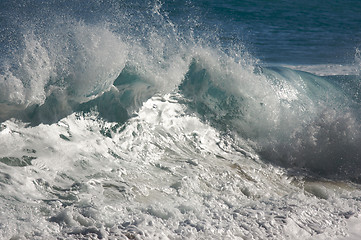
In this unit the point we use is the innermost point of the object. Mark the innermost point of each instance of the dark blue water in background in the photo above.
(282, 31)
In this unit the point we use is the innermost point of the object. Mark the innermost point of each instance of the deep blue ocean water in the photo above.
(179, 119)
(293, 32)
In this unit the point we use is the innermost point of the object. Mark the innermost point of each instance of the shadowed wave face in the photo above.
(294, 119)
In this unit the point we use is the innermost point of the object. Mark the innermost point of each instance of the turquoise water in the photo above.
(179, 120)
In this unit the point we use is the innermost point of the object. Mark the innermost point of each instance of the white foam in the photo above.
(353, 229)
(164, 174)
(328, 69)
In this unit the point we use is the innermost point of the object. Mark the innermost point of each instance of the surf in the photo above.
(118, 122)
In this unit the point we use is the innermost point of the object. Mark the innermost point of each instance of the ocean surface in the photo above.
(180, 119)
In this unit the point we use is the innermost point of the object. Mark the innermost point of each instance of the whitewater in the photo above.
(127, 120)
